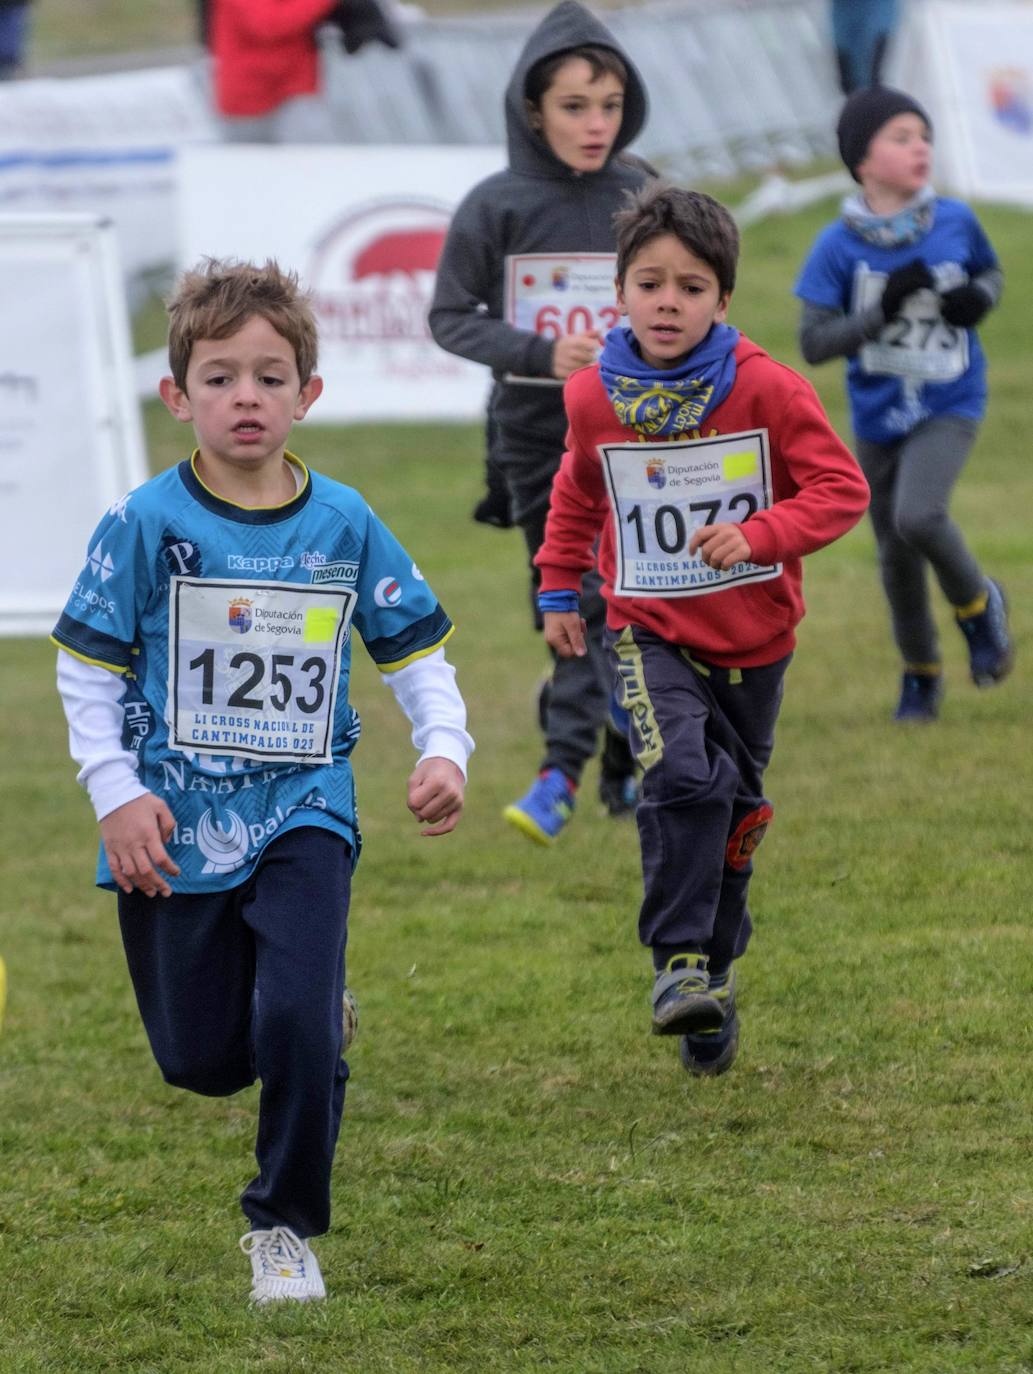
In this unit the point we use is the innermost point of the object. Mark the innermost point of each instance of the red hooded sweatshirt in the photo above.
(265, 52)
(818, 494)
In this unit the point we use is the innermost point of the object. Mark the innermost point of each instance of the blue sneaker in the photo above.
(543, 811)
(705, 1054)
(920, 696)
(990, 651)
(681, 997)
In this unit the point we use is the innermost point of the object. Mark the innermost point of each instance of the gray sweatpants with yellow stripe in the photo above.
(703, 737)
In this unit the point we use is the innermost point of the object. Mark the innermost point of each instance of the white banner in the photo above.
(104, 145)
(70, 438)
(972, 67)
(363, 227)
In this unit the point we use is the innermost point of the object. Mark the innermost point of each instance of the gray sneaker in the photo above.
(681, 997)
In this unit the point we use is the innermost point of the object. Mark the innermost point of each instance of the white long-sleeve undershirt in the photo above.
(92, 698)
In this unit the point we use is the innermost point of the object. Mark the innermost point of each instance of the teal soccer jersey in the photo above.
(232, 628)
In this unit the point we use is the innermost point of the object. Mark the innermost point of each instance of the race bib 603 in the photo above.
(553, 294)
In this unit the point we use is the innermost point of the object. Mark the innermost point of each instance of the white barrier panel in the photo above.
(104, 145)
(972, 67)
(70, 438)
(363, 228)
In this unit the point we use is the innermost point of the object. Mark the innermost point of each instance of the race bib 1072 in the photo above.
(254, 667)
(553, 294)
(661, 493)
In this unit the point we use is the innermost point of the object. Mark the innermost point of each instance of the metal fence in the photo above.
(735, 85)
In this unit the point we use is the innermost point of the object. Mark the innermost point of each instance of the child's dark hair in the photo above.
(697, 220)
(602, 61)
(215, 299)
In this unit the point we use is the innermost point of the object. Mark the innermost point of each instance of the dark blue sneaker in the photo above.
(920, 697)
(707, 1053)
(544, 810)
(990, 651)
(681, 997)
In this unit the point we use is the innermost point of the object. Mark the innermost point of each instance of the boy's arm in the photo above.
(134, 823)
(426, 691)
(468, 278)
(828, 493)
(829, 333)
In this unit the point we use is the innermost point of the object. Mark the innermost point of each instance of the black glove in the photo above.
(904, 282)
(964, 305)
(363, 21)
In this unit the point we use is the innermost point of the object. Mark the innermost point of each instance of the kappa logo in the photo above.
(119, 508)
(100, 563)
(238, 562)
(224, 848)
(387, 592)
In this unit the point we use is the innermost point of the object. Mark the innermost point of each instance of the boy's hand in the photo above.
(134, 838)
(436, 789)
(721, 546)
(905, 281)
(565, 633)
(573, 351)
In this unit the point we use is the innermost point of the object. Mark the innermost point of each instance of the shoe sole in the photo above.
(692, 1020)
(992, 679)
(527, 826)
(714, 1068)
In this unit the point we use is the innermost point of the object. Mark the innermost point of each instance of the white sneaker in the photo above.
(283, 1267)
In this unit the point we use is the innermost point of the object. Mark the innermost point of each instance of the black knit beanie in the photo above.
(864, 114)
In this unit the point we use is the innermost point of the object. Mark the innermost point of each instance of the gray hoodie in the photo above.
(537, 205)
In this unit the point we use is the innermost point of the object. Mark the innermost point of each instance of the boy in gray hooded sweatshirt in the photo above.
(525, 285)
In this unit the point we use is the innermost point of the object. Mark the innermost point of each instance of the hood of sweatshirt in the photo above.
(567, 26)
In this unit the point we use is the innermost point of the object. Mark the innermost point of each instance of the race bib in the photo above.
(254, 667)
(919, 344)
(553, 294)
(661, 493)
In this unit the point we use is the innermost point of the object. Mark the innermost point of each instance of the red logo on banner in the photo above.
(372, 274)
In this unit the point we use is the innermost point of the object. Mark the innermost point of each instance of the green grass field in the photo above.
(526, 1180)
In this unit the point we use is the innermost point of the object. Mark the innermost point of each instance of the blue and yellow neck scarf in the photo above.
(661, 404)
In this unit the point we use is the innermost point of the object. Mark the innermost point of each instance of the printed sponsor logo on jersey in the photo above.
(137, 722)
(656, 473)
(312, 558)
(100, 563)
(93, 600)
(417, 574)
(387, 592)
(336, 572)
(119, 508)
(225, 849)
(240, 618)
(182, 556)
(238, 562)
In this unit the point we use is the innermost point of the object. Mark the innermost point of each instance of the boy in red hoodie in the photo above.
(706, 470)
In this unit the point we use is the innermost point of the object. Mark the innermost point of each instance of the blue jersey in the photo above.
(232, 629)
(919, 365)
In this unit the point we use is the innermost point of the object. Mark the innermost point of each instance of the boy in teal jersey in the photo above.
(204, 665)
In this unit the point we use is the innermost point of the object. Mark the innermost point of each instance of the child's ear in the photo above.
(177, 402)
(722, 307)
(534, 117)
(310, 392)
(621, 305)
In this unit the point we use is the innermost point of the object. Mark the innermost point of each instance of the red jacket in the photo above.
(818, 490)
(264, 52)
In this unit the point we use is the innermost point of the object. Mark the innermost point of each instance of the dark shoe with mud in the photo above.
(990, 650)
(705, 1054)
(682, 1002)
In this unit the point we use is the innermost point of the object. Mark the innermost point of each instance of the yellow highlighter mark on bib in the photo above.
(320, 624)
(736, 465)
